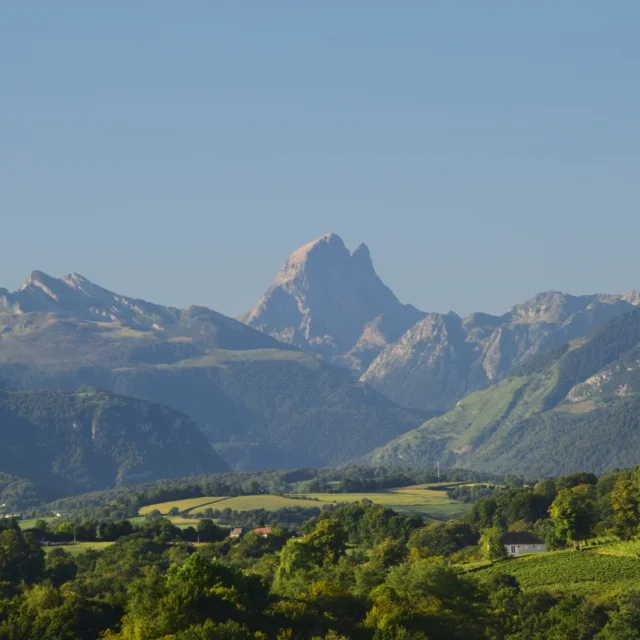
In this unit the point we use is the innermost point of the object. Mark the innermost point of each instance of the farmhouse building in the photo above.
(236, 533)
(262, 531)
(518, 543)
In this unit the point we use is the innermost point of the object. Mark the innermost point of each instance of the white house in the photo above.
(518, 543)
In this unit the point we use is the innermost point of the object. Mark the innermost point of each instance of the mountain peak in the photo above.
(362, 255)
(36, 277)
(323, 298)
(328, 239)
(75, 279)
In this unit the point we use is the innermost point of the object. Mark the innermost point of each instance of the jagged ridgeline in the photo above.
(261, 402)
(331, 302)
(575, 407)
(58, 443)
(328, 366)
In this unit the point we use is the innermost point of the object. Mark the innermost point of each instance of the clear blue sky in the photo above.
(178, 151)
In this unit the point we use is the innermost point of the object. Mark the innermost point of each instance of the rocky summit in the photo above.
(331, 302)
(443, 357)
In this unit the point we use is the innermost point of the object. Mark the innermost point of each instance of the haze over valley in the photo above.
(328, 368)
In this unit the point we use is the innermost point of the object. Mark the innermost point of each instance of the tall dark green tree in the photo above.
(573, 513)
(625, 503)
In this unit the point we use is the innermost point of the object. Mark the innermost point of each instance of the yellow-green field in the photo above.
(419, 498)
(183, 505)
(76, 548)
(423, 499)
(267, 502)
(181, 522)
(29, 523)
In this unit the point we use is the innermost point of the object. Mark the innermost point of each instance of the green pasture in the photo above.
(76, 548)
(183, 505)
(425, 499)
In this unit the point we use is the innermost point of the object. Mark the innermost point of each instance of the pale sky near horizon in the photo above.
(178, 152)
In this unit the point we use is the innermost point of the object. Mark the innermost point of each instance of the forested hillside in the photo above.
(357, 572)
(575, 407)
(61, 443)
(260, 402)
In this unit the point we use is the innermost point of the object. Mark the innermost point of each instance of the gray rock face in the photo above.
(330, 302)
(74, 297)
(444, 357)
(260, 402)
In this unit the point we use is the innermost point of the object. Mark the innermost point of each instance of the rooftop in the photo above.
(520, 537)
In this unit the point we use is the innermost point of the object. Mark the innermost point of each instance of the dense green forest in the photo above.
(261, 403)
(356, 572)
(58, 443)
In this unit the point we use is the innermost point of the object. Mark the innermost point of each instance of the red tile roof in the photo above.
(265, 531)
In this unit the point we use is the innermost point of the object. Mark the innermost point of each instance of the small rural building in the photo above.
(236, 533)
(262, 531)
(518, 543)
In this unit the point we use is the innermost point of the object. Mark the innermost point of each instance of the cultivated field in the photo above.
(183, 505)
(266, 502)
(423, 499)
(76, 548)
(29, 523)
(595, 570)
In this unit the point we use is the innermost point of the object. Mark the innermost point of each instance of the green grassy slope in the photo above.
(572, 409)
(597, 571)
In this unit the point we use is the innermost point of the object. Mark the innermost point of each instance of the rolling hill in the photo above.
(56, 444)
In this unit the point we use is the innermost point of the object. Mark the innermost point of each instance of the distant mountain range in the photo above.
(444, 357)
(326, 368)
(332, 303)
(575, 407)
(262, 403)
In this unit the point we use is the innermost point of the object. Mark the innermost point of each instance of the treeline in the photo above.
(64, 531)
(125, 502)
(472, 493)
(361, 572)
(290, 517)
(569, 509)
